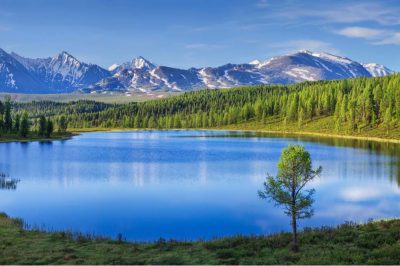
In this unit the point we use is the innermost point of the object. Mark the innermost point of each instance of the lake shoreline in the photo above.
(325, 135)
(374, 242)
(9, 139)
(306, 133)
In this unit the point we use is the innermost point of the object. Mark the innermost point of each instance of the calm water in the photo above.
(189, 184)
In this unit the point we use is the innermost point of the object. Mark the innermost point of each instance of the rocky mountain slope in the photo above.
(64, 73)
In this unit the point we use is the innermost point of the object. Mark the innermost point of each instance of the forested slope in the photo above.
(362, 106)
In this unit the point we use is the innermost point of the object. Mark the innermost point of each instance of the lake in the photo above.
(189, 185)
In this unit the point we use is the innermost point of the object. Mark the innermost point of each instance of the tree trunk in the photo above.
(295, 246)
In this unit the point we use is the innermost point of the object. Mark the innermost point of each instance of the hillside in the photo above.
(364, 107)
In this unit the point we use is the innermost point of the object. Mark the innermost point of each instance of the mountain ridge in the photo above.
(63, 73)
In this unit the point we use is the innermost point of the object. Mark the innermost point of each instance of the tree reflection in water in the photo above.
(8, 183)
(388, 149)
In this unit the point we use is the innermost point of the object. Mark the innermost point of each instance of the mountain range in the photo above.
(63, 73)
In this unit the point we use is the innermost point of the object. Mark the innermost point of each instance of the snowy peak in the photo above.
(65, 73)
(15, 77)
(61, 73)
(333, 58)
(138, 63)
(304, 65)
(304, 51)
(255, 62)
(377, 70)
(65, 59)
(324, 55)
(141, 63)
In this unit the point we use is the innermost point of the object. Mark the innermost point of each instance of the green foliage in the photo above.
(49, 128)
(7, 127)
(286, 189)
(354, 107)
(46, 127)
(356, 104)
(24, 125)
(42, 126)
(371, 243)
(15, 123)
(62, 124)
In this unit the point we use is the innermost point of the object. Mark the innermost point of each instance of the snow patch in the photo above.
(300, 73)
(113, 67)
(377, 70)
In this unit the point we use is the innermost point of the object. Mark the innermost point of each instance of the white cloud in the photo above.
(360, 193)
(313, 45)
(376, 36)
(362, 32)
(394, 39)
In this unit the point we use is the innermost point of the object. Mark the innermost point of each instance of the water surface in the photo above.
(189, 184)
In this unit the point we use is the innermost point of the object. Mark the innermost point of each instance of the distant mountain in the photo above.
(308, 66)
(58, 74)
(292, 68)
(14, 77)
(377, 70)
(65, 73)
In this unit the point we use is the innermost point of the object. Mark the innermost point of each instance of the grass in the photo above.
(35, 137)
(371, 243)
(324, 126)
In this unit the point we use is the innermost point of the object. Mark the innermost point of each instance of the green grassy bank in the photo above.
(323, 126)
(371, 243)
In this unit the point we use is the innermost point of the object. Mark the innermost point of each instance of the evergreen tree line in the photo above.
(19, 123)
(353, 104)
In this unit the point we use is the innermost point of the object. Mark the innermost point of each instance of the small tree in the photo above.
(24, 125)
(62, 124)
(294, 172)
(17, 123)
(42, 126)
(7, 115)
(49, 128)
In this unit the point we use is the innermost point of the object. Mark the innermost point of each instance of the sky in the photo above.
(196, 33)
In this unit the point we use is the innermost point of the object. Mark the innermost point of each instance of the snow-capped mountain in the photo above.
(309, 66)
(292, 68)
(65, 73)
(137, 63)
(14, 77)
(141, 75)
(377, 70)
(61, 73)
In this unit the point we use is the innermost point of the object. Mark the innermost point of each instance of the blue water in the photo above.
(189, 184)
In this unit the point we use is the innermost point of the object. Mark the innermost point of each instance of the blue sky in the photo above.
(185, 33)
